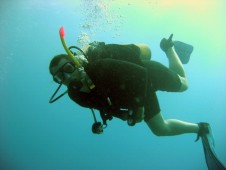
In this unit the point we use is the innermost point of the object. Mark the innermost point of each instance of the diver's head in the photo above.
(63, 69)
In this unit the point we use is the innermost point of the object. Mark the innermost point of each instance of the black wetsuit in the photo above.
(123, 84)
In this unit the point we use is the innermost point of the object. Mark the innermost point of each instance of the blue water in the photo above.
(36, 135)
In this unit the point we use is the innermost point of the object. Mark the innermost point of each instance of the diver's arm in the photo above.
(139, 114)
(136, 115)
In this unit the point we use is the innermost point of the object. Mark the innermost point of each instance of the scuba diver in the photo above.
(121, 81)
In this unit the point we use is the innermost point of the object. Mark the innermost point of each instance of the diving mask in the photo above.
(64, 72)
(62, 75)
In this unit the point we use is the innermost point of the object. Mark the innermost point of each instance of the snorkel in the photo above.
(62, 34)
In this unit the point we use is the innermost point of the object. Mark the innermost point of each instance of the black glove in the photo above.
(165, 44)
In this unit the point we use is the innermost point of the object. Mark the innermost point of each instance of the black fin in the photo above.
(183, 51)
(212, 161)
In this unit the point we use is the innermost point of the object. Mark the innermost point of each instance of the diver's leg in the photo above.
(176, 66)
(170, 127)
(175, 63)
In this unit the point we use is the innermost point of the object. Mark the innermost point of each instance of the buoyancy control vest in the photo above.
(100, 51)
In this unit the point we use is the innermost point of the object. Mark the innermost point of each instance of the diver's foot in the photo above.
(204, 129)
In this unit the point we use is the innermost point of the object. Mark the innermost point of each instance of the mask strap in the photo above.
(52, 99)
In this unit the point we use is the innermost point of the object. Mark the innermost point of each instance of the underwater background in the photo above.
(36, 135)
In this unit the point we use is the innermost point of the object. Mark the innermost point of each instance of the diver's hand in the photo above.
(135, 116)
(166, 44)
(139, 115)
